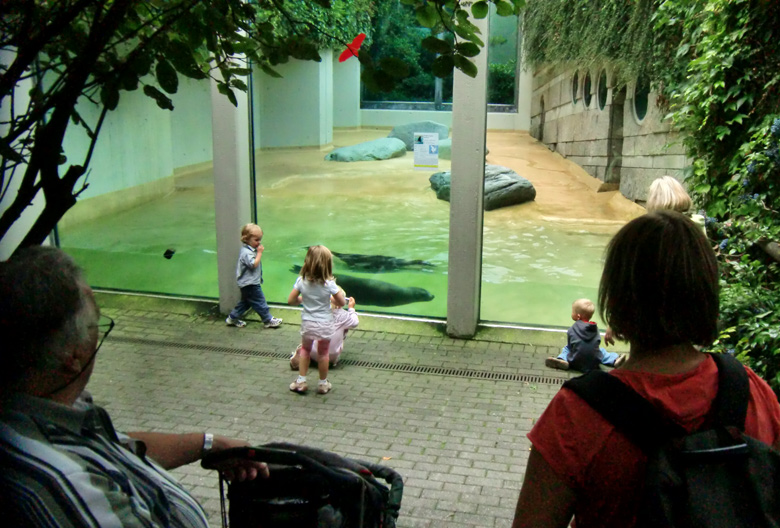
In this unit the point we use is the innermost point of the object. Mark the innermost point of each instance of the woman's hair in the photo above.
(248, 230)
(660, 282)
(318, 265)
(667, 193)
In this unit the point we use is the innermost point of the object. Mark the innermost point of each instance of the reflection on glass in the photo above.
(396, 33)
(641, 92)
(602, 90)
(587, 93)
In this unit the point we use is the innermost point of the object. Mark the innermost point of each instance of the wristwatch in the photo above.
(208, 442)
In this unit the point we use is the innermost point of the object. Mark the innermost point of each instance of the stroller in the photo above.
(308, 487)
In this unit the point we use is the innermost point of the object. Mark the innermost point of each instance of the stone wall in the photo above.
(610, 143)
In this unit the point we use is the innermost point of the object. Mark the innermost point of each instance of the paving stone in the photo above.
(459, 443)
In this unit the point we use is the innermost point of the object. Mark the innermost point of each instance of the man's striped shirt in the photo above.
(65, 466)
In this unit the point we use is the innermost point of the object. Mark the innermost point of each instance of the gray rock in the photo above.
(378, 149)
(503, 187)
(406, 132)
(445, 149)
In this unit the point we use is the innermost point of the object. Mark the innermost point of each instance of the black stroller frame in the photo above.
(308, 487)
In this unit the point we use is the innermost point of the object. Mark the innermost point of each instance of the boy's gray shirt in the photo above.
(246, 273)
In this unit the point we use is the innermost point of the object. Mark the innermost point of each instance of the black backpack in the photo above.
(309, 488)
(715, 477)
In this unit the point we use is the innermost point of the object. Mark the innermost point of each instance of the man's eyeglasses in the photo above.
(104, 326)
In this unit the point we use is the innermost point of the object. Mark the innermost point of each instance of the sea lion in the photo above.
(379, 263)
(374, 292)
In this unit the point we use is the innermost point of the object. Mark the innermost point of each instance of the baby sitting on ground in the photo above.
(582, 351)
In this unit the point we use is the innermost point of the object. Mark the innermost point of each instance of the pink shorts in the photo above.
(317, 330)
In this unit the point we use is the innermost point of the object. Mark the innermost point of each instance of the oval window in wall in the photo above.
(586, 90)
(602, 89)
(575, 85)
(641, 92)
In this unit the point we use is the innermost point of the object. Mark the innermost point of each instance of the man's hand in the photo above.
(238, 468)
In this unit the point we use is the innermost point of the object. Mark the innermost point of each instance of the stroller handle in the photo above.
(274, 455)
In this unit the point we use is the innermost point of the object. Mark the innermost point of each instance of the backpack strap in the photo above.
(623, 407)
(731, 403)
(648, 428)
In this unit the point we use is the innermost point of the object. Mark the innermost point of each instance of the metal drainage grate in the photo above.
(397, 367)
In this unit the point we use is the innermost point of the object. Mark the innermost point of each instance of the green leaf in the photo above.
(427, 15)
(467, 49)
(505, 9)
(436, 45)
(442, 65)
(270, 71)
(224, 89)
(181, 57)
(109, 96)
(160, 98)
(480, 9)
(702, 188)
(465, 65)
(166, 76)
(238, 84)
(394, 67)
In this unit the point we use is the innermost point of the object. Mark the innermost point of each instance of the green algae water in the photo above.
(537, 257)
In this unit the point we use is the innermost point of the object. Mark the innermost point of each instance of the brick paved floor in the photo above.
(458, 442)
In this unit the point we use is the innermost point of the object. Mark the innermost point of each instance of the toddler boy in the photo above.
(582, 351)
(249, 276)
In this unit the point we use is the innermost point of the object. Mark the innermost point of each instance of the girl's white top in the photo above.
(316, 299)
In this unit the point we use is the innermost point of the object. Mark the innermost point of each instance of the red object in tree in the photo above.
(352, 49)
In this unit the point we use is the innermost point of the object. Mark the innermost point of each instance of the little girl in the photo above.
(313, 289)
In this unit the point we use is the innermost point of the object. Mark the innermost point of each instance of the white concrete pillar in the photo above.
(469, 119)
(232, 197)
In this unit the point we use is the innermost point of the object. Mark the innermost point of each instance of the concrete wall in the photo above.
(191, 124)
(346, 92)
(296, 110)
(610, 143)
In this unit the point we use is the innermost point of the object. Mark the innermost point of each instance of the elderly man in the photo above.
(61, 461)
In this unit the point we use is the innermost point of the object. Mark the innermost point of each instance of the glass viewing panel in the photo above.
(396, 33)
(146, 222)
(502, 60)
(381, 219)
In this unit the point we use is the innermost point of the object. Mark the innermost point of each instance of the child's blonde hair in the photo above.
(584, 308)
(333, 299)
(249, 230)
(318, 265)
(669, 194)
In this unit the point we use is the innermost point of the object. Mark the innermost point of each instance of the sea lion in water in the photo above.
(378, 293)
(378, 263)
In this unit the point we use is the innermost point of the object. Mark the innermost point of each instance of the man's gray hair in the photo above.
(41, 292)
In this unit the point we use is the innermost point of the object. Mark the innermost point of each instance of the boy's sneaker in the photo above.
(273, 323)
(235, 322)
(556, 363)
(323, 388)
(299, 387)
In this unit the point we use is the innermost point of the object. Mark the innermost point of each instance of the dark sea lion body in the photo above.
(374, 292)
(379, 263)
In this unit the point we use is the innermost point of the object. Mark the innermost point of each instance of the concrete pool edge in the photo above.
(208, 308)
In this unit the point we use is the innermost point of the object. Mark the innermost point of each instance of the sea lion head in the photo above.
(420, 294)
